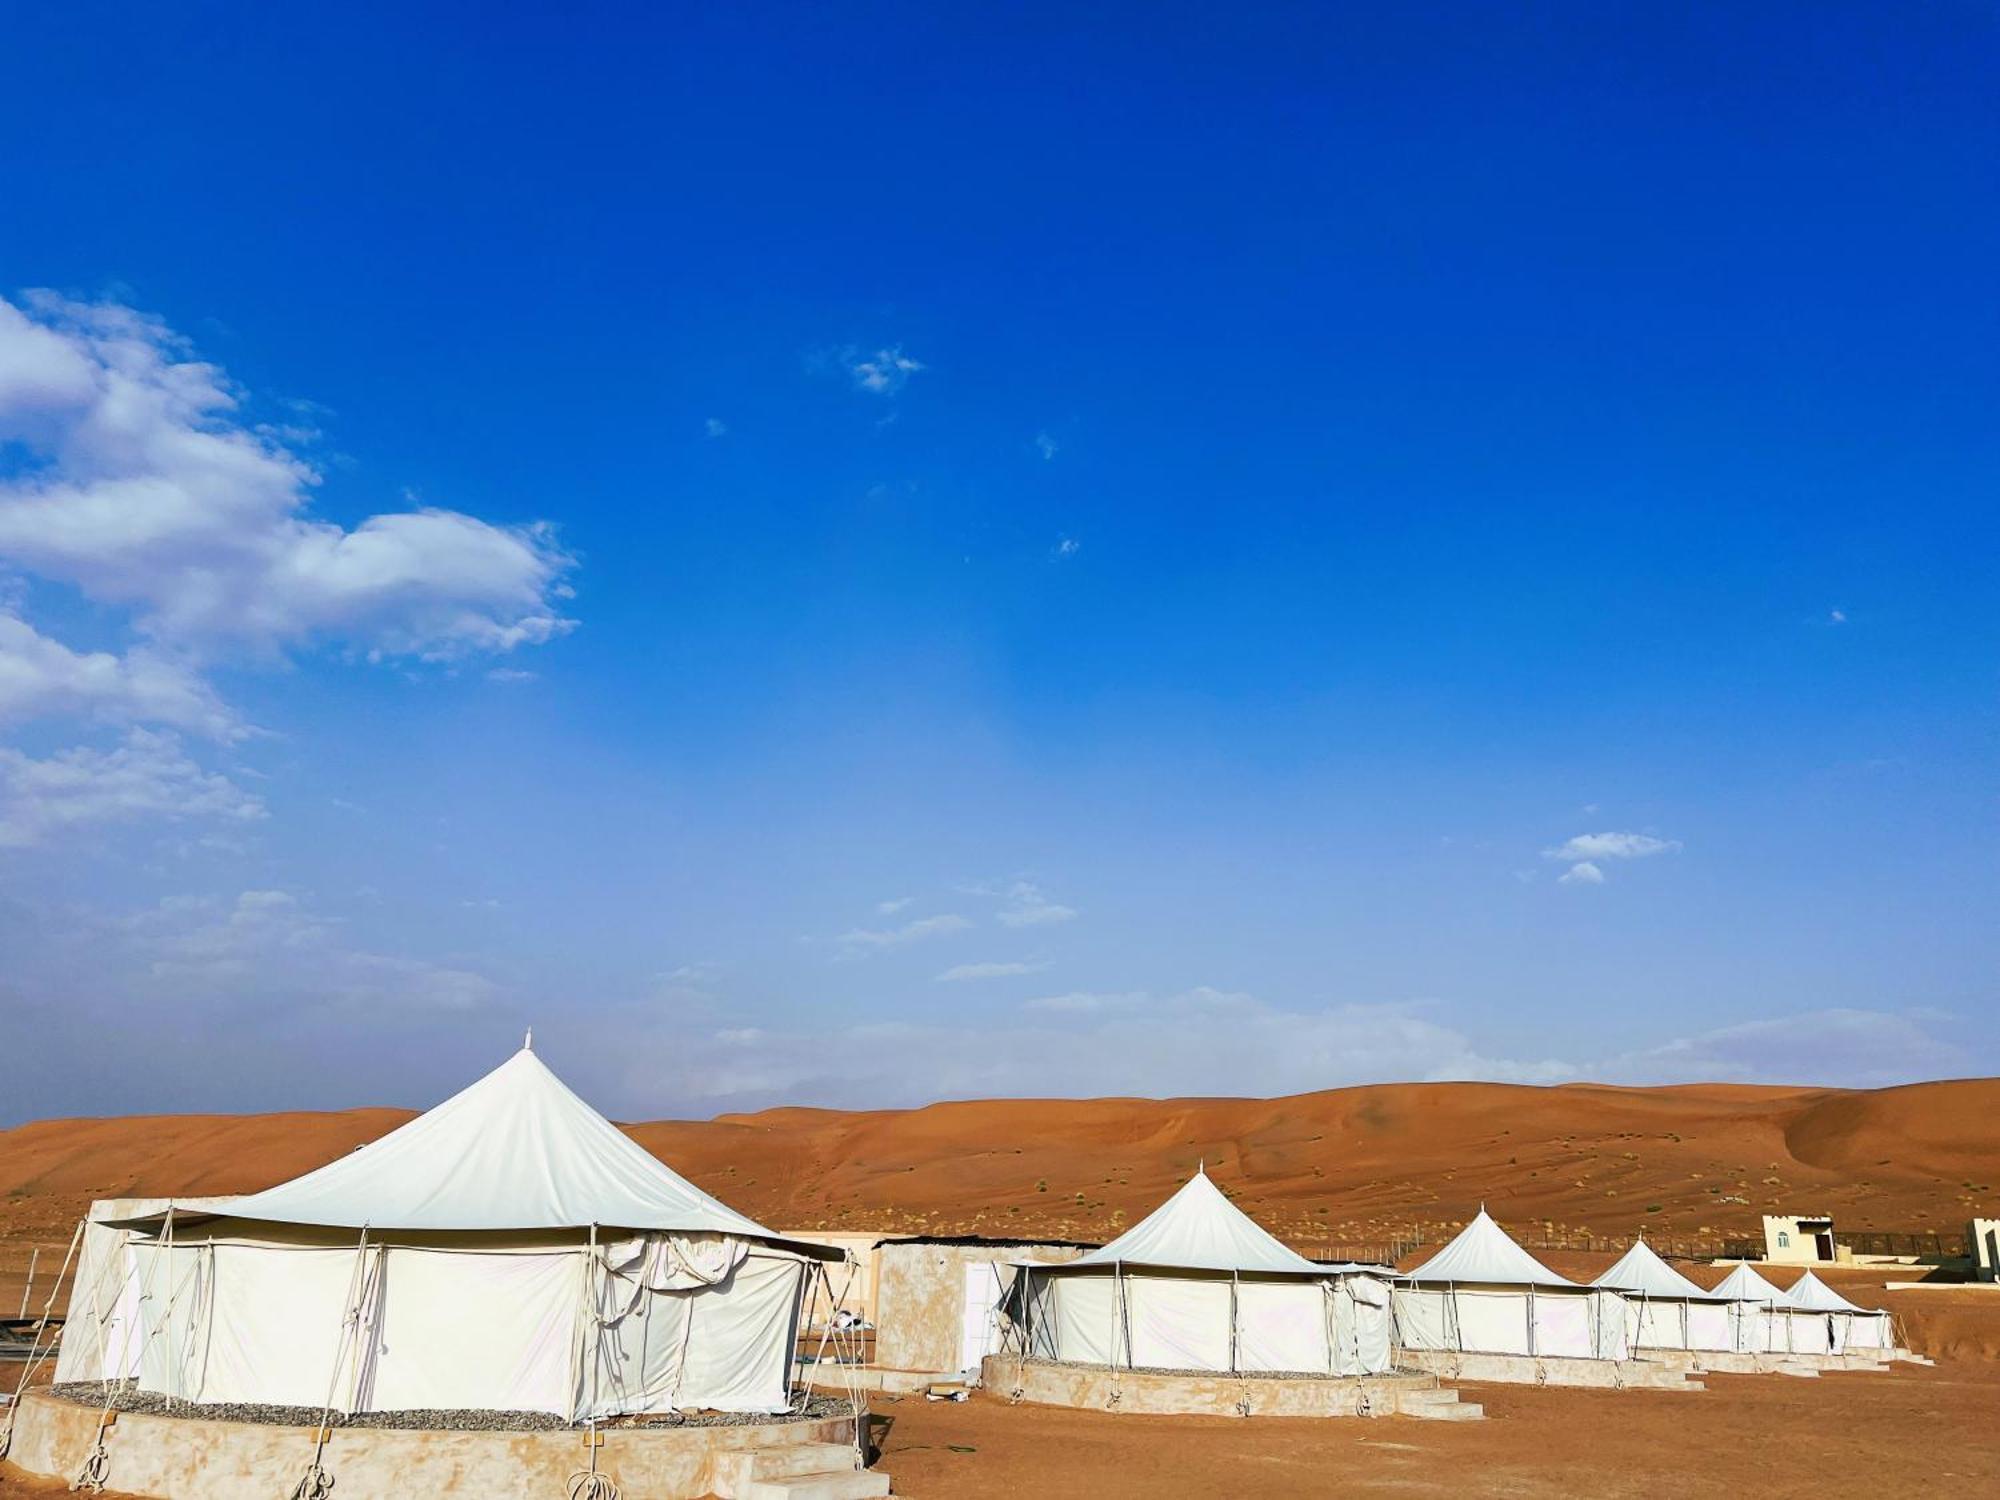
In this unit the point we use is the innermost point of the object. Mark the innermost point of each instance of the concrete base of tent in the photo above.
(198, 1458)
(1724, 1363)
(1160, 1392)
(1527, 1369)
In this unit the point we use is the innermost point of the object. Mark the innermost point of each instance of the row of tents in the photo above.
(512, 1250)
(1200, 1286)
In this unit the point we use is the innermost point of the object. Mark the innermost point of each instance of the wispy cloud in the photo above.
(960, 972)
(148, 775)
(715, 427)
(882, 373)
(1586, 853)
(863, 941)
(1067, 546)
(1027, 906)
(893, 905)
(43, 678)
(1047, 446)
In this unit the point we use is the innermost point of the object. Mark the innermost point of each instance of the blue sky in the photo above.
(866, 554)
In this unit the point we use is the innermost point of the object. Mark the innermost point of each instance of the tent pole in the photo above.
(1232, 1320)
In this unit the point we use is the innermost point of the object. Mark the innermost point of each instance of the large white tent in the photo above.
(1484, 1294)
(1818, 1320)
(510, 1249)
(1663, 1309)
(1198, 1285)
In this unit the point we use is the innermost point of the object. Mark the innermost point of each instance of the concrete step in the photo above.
(849, 1484)
(1457, 1411)
(802, 1458)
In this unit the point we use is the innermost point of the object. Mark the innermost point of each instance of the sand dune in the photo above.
(1347, 1166)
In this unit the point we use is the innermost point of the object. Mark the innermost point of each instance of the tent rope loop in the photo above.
(96, 1468)
(1014, 1396)
(1541, 1373)
(588, 1484)
(1111, 1401)
(1363, 1405)
(314, 1484)
(1243, 1403)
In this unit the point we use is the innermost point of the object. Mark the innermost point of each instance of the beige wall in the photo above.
(1985, 1236)
(921, 1297)
(1790, 1241)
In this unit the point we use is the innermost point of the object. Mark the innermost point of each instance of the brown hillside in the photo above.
(1356, 1167)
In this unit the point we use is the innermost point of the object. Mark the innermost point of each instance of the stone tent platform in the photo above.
(1405, 1393)
(198, 1458)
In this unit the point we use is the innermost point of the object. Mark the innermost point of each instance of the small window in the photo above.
(1784, 1240)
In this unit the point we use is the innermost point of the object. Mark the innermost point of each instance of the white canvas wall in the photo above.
(275, 1326)
(474, 1331)
(101, 1330)
(1562, 1324)
(1085, 1321)
(1283, 1325)
(1177, 1324)
(1708, 1326)
(1491, 1321)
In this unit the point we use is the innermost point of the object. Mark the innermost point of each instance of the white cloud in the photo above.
(511, 674)
(146, 489)
(959, 972)
(715, 427)
(1028, 907)
(268, 943)
(1068, 546)
(884, 372)
(1199, 1042)
(891, 907)
(1584, 852)
(861, 942)
(1836, 617)
(1849, 1047)
(1613, 846)
(41, 678)
(1047, 446)
(148, 775)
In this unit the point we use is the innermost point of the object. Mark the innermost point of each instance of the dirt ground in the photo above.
(1909, 1432)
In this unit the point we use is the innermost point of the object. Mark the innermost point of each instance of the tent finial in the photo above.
(528, 1042)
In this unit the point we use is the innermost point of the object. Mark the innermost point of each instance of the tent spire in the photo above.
(528, 1043)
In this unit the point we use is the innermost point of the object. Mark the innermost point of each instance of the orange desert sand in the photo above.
(1349, 1166)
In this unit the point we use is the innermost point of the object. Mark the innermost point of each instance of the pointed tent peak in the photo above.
(1814, 1295)
(515, 1150)
(1745, 1285)
(528, 1041)
(1484, 1252)
(1640, 1269)
(1199, 1229)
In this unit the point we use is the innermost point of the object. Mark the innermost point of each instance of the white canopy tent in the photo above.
(510, 1249)
(1198, 1285)
(1818, 1320)
(1484, 1294)
(1665, 1310)
(1753, 1327)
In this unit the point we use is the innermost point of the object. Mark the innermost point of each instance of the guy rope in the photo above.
(36, 1353)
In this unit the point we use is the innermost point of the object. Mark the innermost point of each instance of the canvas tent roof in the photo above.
(1483, 1252)
(516, 1150)
(1641, 1270)
(1814, 1295)
(1745, 1285)
(1198, 1229)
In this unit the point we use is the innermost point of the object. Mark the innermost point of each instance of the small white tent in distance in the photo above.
(1198, 1285)
(1753, 1327)
(1818, 1320)
(510, 1249)
(1665, 1310)
(1484, 1294)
